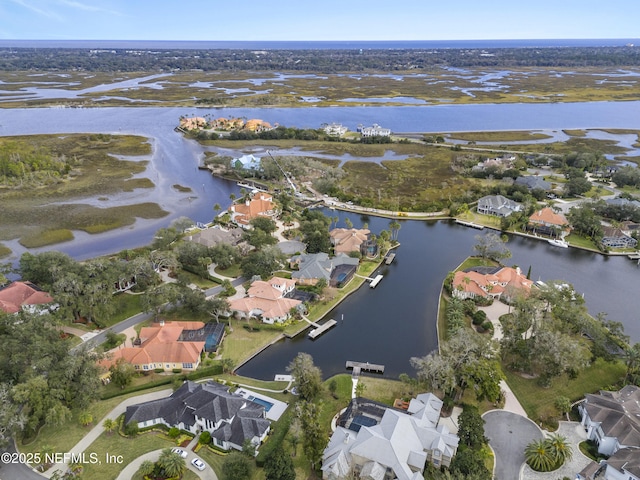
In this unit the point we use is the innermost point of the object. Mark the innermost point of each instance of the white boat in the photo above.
(558, 242)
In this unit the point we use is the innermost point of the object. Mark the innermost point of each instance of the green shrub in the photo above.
(487, 326)
(479, 317)
(131, 429)
(159, 370)
(173, 432)
(177, 370)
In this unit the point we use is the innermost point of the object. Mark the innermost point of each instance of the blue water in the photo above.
(319, 45)
(267, 405)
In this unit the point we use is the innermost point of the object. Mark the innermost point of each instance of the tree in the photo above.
(577, 183)
(109, 425)
(85, 418)
(154, 299)
(205, 438)
(262, 262)
(471, 427)
(333, 386)
(182, 223)
(12, 417)
(307, 377)
(560, 448)
(491, 246)
(131, 429)
(469, 462)
(172, 463)
(314, 440)
(146, 468)
(394, 226)
(540, 456)
(163, 238)
(279, 466)
(348, 222)
(563, 404)
(122, 373)
(237, 466)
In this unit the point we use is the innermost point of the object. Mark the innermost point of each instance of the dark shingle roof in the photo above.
(210, 401)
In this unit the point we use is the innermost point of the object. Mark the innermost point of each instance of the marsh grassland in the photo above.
(42, 200)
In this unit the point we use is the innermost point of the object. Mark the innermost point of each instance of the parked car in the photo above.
(179, 451)
(199, 464)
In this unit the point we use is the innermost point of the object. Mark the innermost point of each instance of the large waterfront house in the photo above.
(312, 267)
(26, 296)
(169, 346)
(549, 222)
(216, 235)
(246, 162)
(498, 206)
(193, 123)
(267, 301)
(393, 445)
(502, 283)
(612, 419)
(335, 129)
(261, 205)
(374, 131)
(348, 240)
(614, 237)
(230, 418)
(533, 182)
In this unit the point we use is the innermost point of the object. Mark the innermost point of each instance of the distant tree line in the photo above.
(327, 61)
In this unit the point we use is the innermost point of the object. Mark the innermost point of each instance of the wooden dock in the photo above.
(469, 224)
(634, 256)
(316, 332)
(374, 283)
(369, 367)
(389, 258)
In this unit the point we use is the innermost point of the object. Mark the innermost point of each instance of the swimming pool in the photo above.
(267, 405)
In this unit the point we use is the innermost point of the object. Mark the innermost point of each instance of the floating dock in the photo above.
(389, 258)
(375, 281)
(634, 256)
(316, 332)
(469, 224)
(369, 367)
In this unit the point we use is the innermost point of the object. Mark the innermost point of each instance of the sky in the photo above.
(298, 20)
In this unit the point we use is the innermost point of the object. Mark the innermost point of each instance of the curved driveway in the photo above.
(128, 471)
(509, 434)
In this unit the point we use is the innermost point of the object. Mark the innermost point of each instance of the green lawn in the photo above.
(197, 280)
(129, 448)
(539, 402)
(127, 305)
(233, 271)
(241, 344)
(580, 241)
(73, 431)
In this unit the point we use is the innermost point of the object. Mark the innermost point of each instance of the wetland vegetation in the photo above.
(46, 177)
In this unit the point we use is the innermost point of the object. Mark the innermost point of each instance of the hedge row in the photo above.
(202, 373)
(279, 430)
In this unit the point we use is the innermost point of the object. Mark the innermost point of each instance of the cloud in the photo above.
(89, 8)
(40, 11)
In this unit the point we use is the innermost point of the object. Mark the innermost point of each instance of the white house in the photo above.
(497, 205)
(612, 419)
(246, 162)
(374, 131)
(397, 447)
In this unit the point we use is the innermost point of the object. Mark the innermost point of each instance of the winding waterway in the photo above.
(395, 321)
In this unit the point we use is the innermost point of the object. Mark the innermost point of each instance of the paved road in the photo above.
(17, 471)
(129, 470)
(508, 435)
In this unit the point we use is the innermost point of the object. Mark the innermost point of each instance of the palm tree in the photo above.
(172, 463)
(109, 425)
(146, 468)
(348, 223)
(632, 361)
(394, 226)
(560, 448)
(539, 456)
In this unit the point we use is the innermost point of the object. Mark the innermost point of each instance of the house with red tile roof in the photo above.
(261, 205)
(549, 222)
(347, 240)
(161, 346)
(26, 296)
(267, 300)
(193, 123)
(501, 283)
